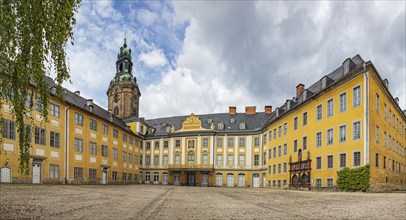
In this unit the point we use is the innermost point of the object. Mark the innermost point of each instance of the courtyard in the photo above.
(177, 202)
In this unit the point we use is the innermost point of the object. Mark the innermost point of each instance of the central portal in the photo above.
(191, 179)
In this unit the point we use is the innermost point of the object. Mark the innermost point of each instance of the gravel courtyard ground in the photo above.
(176, 202)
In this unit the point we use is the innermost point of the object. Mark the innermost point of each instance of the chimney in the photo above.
(268, 109)
(386, 83)
(250, 110)
(299, 89)
(77, 93)
(232, 110)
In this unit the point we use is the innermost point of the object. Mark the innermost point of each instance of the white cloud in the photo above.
(146, 17)
(155, 58)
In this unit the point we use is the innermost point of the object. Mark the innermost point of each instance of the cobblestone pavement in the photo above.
(176, 202)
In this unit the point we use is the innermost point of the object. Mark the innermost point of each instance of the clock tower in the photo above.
(123, 92)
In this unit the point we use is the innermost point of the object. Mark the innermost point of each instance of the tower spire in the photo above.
(125, 40)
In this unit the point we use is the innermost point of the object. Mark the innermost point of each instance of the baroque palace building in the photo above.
(346, 119)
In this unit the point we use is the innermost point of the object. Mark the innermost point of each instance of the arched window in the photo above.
(116, 111)
(191, 157)
(121, 67)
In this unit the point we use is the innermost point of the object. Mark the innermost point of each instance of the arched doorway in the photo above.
(241, 180)
(295, 181)
(219, 179)
(255, 180)
(304, 180)
(230, 180)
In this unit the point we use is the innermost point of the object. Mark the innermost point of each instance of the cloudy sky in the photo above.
(202, 57)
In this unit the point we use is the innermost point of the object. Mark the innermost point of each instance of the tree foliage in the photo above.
(356, 179)
(33, 38)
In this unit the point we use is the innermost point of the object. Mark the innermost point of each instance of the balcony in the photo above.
(191, 167)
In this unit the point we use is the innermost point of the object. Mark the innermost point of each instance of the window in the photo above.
(166, 144)
(330, 161)
(304, 143)
(279, 131)
(377, 134)
(242, 142)
(274, 168)
(270, 136)
(230, 142)
(136, 159)
(147, 160)
(93, 125)
(330, 107)
(384, 162)
(319, 112)
(264, 139)
(285, 167)
(130, 157)
(318, 182)
(330, 182)
(177, 159)
(92, 148)
(230, 160)
(37, 103)
(78, 173)
(384, 110)
(377, 103)
(330, 136)
(156, 160)
(177, 143)
(256, 141)
(92, 174)
(318, 139)
(124, 155)
(105, 129)
(279, 168)
(39, 135)
(105, 151)
(343, 102)
(384, 138)
(125, 137)
(356, 159)
(54, 171)
(285, 149)
(131, 140)
(115, 133)
(156, 145)
(274, 152)
(343, 160)
(356, 128)
(78, 119)
(270, 154)
(78, 145)
(54, 110)
(115, 153)
(54, 139)
(356, 96)
(219, 160)
(342, 133)
(148, 145)
(9, 130)
(219, 142)
(264, 159)
(304, 118)
(318, 163)
(377, 160)
(285, 128)
(205, 159)
(256, 160)
(205, 142)
(295, 123)
(241, 160)
(114, 175)
(279, 151)
(294, 146)
(274, 133)
(147, 177)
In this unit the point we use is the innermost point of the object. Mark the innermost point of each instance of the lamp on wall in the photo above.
(6, 163)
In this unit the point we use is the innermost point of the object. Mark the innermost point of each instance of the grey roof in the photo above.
(252, 122)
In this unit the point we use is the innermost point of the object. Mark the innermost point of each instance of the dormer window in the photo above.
(241, 126)
(151, 130)
(232, 120)
(168, 128)
(209, 120)
(220, 125)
